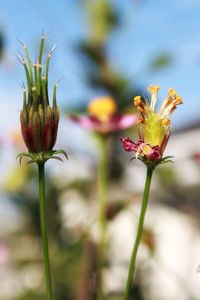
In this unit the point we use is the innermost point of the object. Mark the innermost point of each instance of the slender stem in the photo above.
(139, 233)
(102, 194)
(44, 231)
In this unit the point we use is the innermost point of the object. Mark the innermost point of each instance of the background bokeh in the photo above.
(104, 47)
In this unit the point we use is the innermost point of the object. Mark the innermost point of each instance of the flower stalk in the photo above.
(47, 271)
(102, 195)
(139, 232)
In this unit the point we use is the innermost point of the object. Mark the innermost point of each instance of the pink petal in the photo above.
(85, 121)
(154, 154)
(124, 121)
(129, 145)
(114, 123)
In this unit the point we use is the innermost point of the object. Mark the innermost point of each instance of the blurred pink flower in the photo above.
(197, 157)
(102, 117)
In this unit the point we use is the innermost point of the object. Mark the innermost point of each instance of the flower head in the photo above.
(154, 125)
(102, 116)
(39, 119)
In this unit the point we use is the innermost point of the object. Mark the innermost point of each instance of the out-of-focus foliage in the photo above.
(2, 44)
(102, 19)
(161, 62)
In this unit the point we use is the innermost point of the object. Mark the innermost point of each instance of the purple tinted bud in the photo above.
(39, 119)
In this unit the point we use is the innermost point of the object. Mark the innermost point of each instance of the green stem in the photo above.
(139, 233)
(44, 230)
(102, 194)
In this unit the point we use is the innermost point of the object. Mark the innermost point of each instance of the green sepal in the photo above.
(30, 113)
(61, 152)
(56, 114)
(41, 157)
(41, 114)
(24, 117)
(48, 114)
(154, 163)
(36, 129)
(22, 155)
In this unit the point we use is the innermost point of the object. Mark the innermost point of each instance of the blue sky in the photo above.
(148, 29)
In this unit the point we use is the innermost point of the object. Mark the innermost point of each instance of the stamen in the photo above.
(140, 120)
(166, 103)
(166, 122)
(171, 108)
(170, 104)
(141, 110)
(171, 92)
(137, 100)
(153, 90)
(140, 104)
(178, 100)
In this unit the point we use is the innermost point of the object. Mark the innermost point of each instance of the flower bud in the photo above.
(39, 119)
